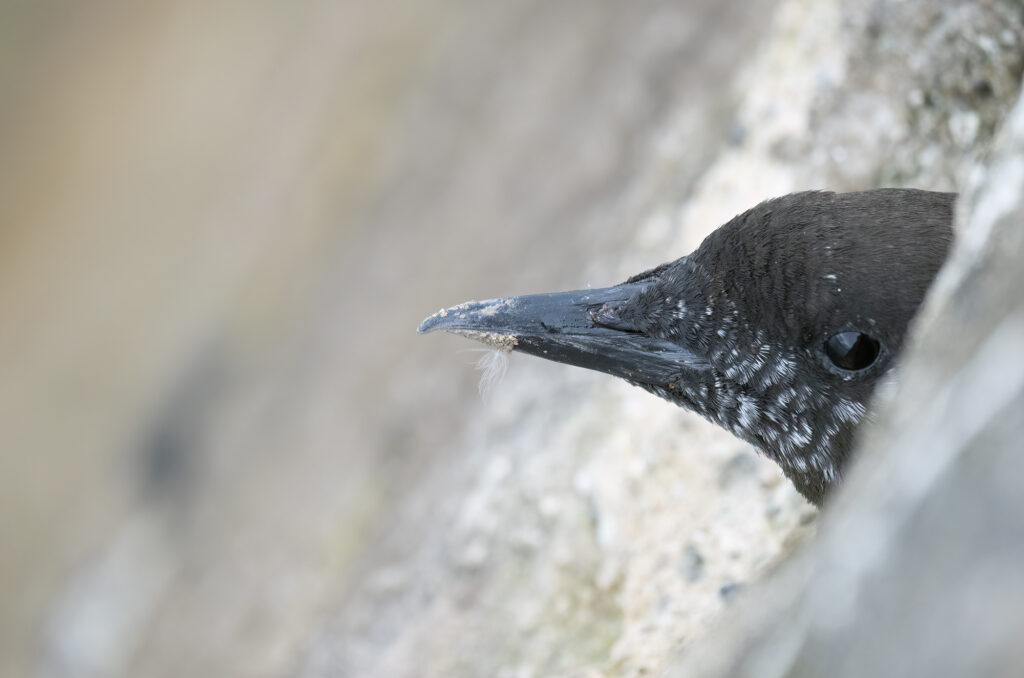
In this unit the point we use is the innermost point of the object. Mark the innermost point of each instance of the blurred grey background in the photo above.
(221, 226)
(224, 449)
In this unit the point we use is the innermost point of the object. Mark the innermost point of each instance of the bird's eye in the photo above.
(852, 350)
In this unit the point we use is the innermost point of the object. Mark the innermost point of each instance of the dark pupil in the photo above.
(851, 350)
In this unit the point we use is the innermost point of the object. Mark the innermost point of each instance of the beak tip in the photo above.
(431, 323)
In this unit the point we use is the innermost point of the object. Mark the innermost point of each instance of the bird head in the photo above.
(778, 327)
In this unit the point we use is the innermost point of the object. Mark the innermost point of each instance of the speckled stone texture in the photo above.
(600, 530)
(916, 569)
(226, 452)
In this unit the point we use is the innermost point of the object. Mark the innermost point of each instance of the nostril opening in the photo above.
(606, 315)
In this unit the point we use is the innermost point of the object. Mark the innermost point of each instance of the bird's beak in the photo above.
(566, 327)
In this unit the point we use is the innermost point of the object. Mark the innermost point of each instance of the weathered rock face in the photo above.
(602, 528)
(916, 567)
(222, 224)
(234, 456)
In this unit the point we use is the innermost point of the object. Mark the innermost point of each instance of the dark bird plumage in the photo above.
(778, 327)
